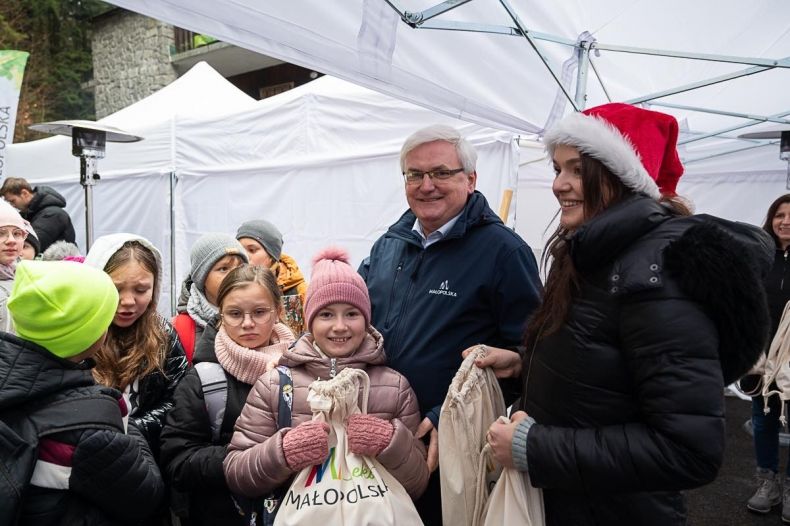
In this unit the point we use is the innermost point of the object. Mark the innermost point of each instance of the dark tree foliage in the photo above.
(56, 33)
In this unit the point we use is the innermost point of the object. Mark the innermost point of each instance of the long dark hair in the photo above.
(769, 217)
(601, 189)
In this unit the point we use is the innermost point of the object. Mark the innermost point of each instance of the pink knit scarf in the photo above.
(247, 365)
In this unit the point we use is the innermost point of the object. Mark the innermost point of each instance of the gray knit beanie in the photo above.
(209, 249)
(265, 233)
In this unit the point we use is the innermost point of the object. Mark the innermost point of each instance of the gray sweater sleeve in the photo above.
(518, 447)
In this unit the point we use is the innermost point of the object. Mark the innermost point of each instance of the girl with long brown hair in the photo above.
(142, 356)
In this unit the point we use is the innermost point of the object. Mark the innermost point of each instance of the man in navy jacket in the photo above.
(446, 276)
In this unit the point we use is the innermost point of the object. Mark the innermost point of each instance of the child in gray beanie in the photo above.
(212, 257)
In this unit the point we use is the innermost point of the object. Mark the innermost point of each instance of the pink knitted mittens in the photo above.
(368, 435)
(306, 445)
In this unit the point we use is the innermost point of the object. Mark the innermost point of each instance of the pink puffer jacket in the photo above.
(255, 464)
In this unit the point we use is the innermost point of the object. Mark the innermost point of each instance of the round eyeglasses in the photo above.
(17, 233)
(235, 317)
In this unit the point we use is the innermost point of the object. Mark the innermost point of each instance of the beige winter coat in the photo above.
(255, 464)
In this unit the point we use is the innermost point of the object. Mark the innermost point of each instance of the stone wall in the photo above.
(131, 59)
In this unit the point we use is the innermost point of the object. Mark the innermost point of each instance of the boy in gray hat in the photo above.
(264, 243)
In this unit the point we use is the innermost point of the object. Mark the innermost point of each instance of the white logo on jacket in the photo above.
(443, 290)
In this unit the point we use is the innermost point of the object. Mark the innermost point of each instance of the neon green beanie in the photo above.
(62, 306)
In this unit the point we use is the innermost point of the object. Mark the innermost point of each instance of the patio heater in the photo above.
(88, 142)
(784, 145)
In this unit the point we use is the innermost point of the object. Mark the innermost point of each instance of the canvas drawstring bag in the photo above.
(345, 488)
(474, 401)
(513, 501)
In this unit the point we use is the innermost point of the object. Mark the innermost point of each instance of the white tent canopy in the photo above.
(500, 63)
(319, 161)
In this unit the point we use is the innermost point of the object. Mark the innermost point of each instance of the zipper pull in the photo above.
(332, 367)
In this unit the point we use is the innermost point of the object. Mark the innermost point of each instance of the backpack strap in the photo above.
(286, 397)
(185, 328)
(215, 393)
(263, 510)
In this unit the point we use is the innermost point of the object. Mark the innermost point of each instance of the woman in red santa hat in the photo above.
(648, 312)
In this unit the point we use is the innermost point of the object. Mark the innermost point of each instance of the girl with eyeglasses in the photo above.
(12, 230)
(245, 342)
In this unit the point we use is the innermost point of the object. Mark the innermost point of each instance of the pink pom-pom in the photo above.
(332, 253)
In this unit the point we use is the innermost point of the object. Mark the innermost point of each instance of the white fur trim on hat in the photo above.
(598, 138)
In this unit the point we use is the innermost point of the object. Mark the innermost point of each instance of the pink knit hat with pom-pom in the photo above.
(334, 281)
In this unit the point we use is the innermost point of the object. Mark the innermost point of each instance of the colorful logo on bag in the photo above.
(329, 466)
(352, 487)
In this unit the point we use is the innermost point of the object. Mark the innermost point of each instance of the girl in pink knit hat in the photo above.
(228, 359)
(263, 456)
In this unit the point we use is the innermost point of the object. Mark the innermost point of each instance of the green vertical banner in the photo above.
(12, 67)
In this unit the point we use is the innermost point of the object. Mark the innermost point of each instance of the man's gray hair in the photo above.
(59, 250)
(441, 132)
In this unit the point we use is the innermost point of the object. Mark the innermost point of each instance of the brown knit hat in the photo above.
(334, 281)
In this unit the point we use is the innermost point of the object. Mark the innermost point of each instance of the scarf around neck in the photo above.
(199, 308)
(247, 365)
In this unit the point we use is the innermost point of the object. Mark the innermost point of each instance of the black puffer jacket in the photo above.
(156, 390)
(191, 463)
(627, 395)
(46, 212)
(113, 480)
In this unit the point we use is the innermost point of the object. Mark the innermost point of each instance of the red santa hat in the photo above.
(638, 146)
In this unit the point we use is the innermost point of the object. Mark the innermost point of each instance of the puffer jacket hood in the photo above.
(45, 196)
(304, 354)
(703, 253)
(103, 249)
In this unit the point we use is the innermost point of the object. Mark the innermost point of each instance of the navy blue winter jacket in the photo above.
(477, 285)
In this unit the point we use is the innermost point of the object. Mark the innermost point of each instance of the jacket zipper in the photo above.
(396, 335)
(784, 270)
(392, 294)
(332, 367)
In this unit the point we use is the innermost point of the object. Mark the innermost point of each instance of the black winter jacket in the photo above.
(477, 285)
(155, 391)
(191, 462)
(46, 213)
(114, 478)
(627, 395)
